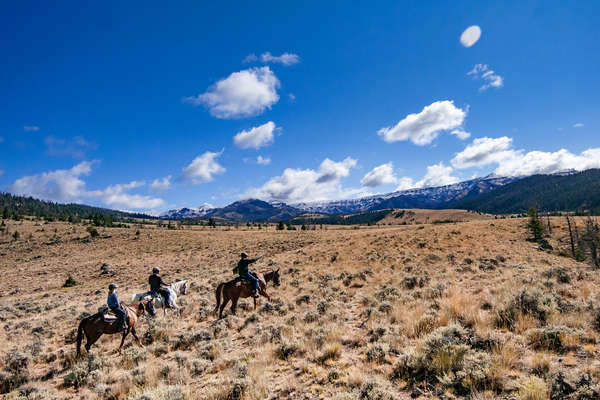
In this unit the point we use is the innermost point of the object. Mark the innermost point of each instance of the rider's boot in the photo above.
(255, 294)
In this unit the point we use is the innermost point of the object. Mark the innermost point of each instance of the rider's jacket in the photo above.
(243, 265)
(155, 282)
(113, 301)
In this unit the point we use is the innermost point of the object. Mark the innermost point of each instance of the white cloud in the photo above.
(161, 183)
(292, 97)
(511, 162)
(424, 127)
(405, 183)
(256, 137)
(381, 175)
(540, 162)
(578, 125)
(67, 186)
(470, 36)
(117, 196)
(250, 58)
(260, 160)
(203, 167)
(31, 128)
(286, 59)
(296, 185)
(76, 147)
(461, 134)
(332, 171)
(483, 71)
(483, 151)
(60, 185)
(437, 175)
(242, 94)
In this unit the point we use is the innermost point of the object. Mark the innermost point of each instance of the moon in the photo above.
(470, 36)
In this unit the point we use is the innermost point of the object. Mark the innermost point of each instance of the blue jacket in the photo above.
(113, 301)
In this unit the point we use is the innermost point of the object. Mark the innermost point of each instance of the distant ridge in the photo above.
(21, 205)
(568, 191)
(431, 197)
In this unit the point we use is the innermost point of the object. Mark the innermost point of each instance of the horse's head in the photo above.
(276, 277)
(184, 287)
(148, 305)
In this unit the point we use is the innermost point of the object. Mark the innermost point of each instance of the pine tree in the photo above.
(536, 228)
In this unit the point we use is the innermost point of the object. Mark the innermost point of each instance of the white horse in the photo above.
(177, 288)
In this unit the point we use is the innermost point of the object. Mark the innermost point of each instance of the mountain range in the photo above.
(432, 197)
(565, 191)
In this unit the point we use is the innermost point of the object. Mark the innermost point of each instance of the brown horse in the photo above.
(234, 289)
(96, 325)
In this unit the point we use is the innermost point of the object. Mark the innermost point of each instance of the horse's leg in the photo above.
(225, 301)
(263, 292)
(177, 309)
(123, 339)
(91, 339)
(234, 301)
(254, 298)
(137, 339)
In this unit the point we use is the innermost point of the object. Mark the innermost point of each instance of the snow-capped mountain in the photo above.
(189, 212)
(431, 197)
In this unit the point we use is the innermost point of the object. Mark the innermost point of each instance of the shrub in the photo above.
(310, 316)
(445, 356)
(70, 282)
(16, 366)
(387, 293)
(425, 325)
(160, 393)
(30, 392)
(287, 349)
(92, 231)
(80, 372)
(332, 351)
(596, 319)
(376, 353)
(198, 366)
(561, 274)
(533, 388)
(528, 302)
(375, 388)
(187, 340)
(549, 338)
(132, 356)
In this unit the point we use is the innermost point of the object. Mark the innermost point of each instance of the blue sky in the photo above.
(135, 106)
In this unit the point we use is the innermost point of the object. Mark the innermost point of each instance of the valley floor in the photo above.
(467, 309)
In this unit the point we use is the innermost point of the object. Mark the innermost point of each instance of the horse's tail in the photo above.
(80, 335)
(218, 296)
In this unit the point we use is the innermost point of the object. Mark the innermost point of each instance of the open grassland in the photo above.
(466, 309)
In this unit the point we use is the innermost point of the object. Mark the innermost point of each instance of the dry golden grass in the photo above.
(356, 315)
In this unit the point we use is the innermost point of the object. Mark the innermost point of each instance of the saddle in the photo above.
(245, 281)
(106, 314)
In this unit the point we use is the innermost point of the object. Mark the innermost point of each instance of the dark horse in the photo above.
(234, 289)
(96, 325)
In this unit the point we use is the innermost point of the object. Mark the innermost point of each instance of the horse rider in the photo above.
(156, 286)
(115, 307)
(242, 270)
